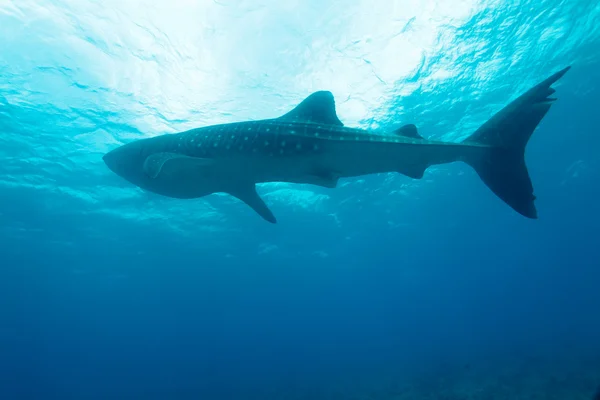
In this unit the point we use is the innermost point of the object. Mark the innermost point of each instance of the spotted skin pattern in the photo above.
(271, 138)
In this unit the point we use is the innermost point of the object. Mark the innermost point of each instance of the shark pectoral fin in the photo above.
(154, 164)
(248, 195)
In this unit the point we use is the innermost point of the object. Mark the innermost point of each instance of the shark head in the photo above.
(127, 161)
(146, 164)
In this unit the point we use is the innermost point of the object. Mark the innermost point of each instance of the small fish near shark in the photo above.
(310, 145)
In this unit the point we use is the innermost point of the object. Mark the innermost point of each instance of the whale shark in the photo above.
(310, 145)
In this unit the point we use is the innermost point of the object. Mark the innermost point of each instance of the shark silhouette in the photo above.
(310, 145)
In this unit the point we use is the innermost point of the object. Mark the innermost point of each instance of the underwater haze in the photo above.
(385, 287)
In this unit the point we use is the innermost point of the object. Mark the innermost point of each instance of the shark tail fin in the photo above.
(502, 165)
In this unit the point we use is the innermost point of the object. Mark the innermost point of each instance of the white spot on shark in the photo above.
(298, 146)
(266, 143)
(283, 144)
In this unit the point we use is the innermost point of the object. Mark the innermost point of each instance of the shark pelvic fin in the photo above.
(409, 131)
(415, 171)
(317, 108)
(327, 179)
(248, 195)
(154, 164)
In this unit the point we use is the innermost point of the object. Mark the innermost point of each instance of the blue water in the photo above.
(383, 288)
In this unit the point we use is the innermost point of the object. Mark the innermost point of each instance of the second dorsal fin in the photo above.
(409, 131)
(317, 108)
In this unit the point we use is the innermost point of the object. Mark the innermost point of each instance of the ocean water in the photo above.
(383, 288)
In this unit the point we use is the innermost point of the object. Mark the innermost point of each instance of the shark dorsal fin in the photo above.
(409, 131)
(317, 108)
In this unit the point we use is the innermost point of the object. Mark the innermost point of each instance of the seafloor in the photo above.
(534, 379)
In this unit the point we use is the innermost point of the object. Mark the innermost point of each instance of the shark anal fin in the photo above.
(248, 195)
(317, 108)
(155, 164)
(409, 131)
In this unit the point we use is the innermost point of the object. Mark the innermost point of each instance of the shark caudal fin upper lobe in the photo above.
(502, 168)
